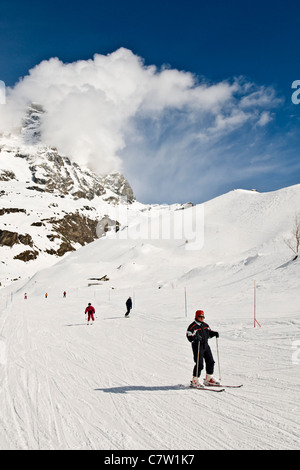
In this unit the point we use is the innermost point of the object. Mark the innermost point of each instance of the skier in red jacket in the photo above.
(90, 311)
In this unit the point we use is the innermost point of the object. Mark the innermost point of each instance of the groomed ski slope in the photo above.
(114, 385)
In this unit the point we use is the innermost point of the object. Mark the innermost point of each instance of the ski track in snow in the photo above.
(114, 385)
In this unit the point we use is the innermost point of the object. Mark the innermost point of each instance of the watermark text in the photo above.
(296, 93)
(167, 225)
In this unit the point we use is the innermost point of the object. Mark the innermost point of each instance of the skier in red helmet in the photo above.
(198, 334)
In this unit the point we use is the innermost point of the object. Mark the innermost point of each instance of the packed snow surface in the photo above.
(116, 384)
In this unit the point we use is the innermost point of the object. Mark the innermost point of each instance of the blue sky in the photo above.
(181, 153)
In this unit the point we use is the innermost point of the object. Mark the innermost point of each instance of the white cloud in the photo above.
(227, 123)
(262, 97)
(98, 108)
(264, 119)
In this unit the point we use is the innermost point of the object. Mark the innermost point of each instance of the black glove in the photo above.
(198, 338)
(215, 333)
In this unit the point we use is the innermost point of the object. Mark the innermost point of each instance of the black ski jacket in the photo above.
(202, 329)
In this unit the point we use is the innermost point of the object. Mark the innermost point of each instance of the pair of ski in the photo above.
(216, 387)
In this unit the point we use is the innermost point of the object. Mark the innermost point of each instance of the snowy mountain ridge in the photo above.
(240, 231)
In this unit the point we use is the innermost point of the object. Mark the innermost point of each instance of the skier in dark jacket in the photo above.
(128, 306)
(198, 334)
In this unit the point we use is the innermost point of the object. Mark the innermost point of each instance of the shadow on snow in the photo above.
(140, 388)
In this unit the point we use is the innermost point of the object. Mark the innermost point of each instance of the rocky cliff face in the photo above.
(49, 205)
(52, 172)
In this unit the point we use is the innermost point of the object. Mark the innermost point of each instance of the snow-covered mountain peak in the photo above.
(48, 169)
(31, 125)
(48, 200)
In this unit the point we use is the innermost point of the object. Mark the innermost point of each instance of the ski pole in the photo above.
(197, 368)
(218, 358)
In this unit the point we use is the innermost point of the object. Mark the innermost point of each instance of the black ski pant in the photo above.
(205, 354)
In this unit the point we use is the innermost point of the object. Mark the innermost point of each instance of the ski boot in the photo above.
(195, 383)
(210, 381)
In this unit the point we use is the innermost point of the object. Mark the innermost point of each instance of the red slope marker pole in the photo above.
(255, 320)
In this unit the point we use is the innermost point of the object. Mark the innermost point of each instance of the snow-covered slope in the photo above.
(115, 385)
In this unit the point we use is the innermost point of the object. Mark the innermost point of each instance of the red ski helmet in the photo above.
(199, 313)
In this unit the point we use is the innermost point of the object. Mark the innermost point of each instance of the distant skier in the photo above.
(128, 306)
(25, 296)
(64, 294)
(46, 295)
(198, 334)
(90, 311)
